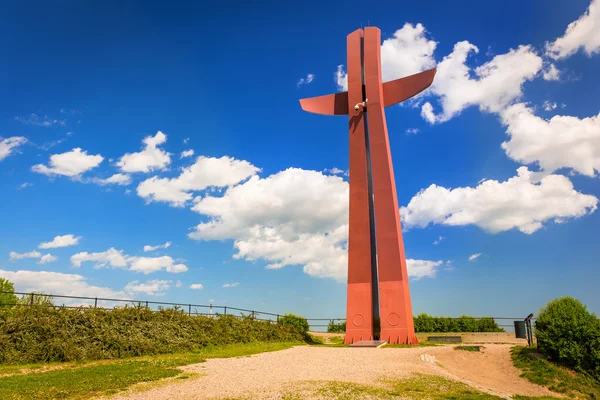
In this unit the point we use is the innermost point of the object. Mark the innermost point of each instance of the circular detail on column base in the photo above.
(358, 320)
(393, 319)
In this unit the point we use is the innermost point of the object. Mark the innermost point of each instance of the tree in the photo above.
(7, 293)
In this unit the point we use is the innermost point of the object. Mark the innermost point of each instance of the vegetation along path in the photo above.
(329, 372)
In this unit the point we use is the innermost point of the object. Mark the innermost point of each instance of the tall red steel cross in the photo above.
(378, 289)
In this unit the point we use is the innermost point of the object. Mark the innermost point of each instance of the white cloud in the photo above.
(438, 240)
(148, 248)
(551, 73)
(549, 106)
(407, 52)
(474, 257)
(305, 81)
(149, 159)
(186, 153)
(559, 142)
(524, 202)
(47, 258)
(418, 269)
(44, 121)
(116, 179)
(148, 265)
(230, 285)
(196, 286)
(10, 145)
(582, 33)
(335, 171)
(61, 241)
(19, 256)
(154, 287)
(178, 284)
(24, 185)
(496, 84)
(412, 131)
(72, 163)
(204, 173)
(111, 257)
(56, 283)
(116, 259)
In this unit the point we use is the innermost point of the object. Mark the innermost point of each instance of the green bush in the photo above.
(568, 334)
(296, 322)
(336, 327)
(7, 294)
(30, 334)
(427, 323)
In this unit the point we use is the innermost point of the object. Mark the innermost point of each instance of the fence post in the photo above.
(31, 301)
(252, 314)
(210, 311)
(190, 310)
(96, 302)
(277, 318)
(225, 310)
(146, 303)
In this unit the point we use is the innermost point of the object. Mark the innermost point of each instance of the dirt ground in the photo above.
(266, 375)
(469, 338)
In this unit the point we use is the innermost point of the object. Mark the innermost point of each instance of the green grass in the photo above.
(336, 339)
(418, 387)
(85, 380)
(557, 379)
(468, 348)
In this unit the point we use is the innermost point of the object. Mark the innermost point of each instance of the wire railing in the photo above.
(210, 310)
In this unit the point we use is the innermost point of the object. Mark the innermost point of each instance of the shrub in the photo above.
(568, 334)
(296, 322)
(427, 323)
(336, 327)
(46, 333)
(7, 294)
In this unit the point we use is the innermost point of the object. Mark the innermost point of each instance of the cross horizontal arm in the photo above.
(394, 92)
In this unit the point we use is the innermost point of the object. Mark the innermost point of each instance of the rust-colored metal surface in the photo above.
(359, 304)
(378, 286)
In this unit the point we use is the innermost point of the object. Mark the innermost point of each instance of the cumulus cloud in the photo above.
(72, 163)
(407, 52)
(551, 73)
(186, 153)
(418, 269)
(305, 81)
(148, 248)
(57, 283)
(524, 202)
(584, 33)
(61, 241)
(196, 286)
(147, 265)
(204, 173)
(474, 257)
(111, 257)
(19, 256)
(149, 159)
(47, 258)
(559, 142)
(438, 240)
(335, 171)
(491, 86)
(117, 259)
(231, 285)
(10, 145)
(154, 287)
(116, 179)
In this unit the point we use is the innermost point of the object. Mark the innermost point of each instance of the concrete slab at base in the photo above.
(369, 343)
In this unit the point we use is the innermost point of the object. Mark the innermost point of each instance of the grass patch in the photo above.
(418, 386)
(469, 348)
(336, 339)
(86, 380)
(557, 379)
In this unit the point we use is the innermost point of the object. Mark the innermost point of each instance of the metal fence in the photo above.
(316, 324)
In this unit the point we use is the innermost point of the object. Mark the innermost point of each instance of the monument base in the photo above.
(369, 343)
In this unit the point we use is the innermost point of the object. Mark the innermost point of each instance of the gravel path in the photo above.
(265, 375)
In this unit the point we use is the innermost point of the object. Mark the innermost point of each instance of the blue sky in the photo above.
(499, 159)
